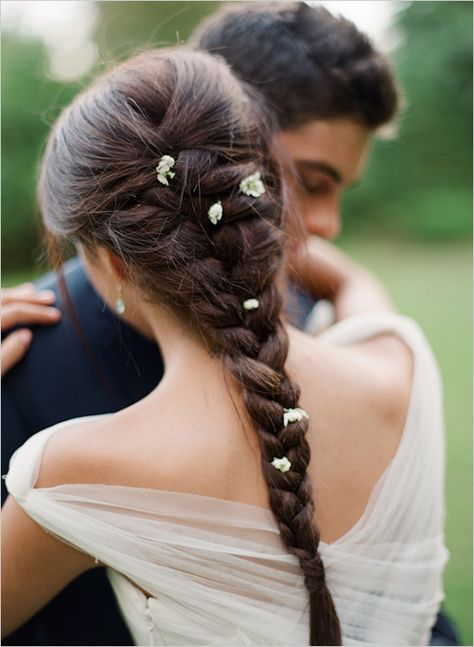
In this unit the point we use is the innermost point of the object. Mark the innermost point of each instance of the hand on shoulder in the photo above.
(23, 305)
(324, 271)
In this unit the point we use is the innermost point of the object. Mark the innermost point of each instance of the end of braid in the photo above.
(325, 628)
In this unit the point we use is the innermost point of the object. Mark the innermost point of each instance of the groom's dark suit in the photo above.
(64, 377)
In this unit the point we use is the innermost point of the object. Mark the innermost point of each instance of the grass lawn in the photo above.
(433, 284)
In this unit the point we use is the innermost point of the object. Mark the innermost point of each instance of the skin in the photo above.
(373, 379)
(327, 157)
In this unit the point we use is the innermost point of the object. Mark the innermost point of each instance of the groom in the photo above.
(329, 94)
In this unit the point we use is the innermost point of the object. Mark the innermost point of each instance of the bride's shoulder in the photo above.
(74, 451)
(122, 448)
(366, 362)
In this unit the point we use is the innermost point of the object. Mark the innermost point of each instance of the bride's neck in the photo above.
(182, 349)
(184, 353)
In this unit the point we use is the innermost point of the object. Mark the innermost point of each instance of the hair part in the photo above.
(306, 62)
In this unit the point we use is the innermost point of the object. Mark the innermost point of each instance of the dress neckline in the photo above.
(265, 514)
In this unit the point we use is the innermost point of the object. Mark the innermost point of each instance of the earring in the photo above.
(119, 303)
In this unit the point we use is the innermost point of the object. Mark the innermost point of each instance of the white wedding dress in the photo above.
(217, 572)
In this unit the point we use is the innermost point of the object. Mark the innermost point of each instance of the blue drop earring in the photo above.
(119, 302)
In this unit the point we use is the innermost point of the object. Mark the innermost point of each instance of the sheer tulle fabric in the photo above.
(217, 573)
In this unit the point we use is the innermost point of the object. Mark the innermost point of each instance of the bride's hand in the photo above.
(22, 305)
(326, 272)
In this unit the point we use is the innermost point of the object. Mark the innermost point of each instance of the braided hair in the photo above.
(98, 186)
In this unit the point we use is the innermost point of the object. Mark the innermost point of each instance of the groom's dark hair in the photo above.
(306, 62)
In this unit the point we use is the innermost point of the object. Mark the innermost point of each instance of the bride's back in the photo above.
(192, 433)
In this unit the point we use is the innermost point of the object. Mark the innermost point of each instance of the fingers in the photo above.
(27, 293)
(24, 312)
(21, 305)
(14, 346)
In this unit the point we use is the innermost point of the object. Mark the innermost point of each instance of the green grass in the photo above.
(433, 284)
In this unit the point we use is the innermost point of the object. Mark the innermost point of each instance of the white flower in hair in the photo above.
(251, 304)
(215, 212)
(252, 185)
(164, 171)
(282, 464)
(293, 415)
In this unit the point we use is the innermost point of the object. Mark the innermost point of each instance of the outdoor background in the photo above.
(409, 220)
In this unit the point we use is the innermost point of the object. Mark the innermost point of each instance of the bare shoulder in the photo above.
(376, 371)
(387, 363)
(134, 447)
(357, 398)
(77, 453)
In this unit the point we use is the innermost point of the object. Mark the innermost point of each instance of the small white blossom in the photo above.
(215, 212)
(282, 464)
(293, 415)
(252, 185)
(163, 169)
(251, 304)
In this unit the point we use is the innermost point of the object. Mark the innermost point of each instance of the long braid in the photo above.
(190, 107)
(245, 254)
(255, 349)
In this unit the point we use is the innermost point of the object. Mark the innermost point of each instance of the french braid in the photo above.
(254, 347)
(189, 106)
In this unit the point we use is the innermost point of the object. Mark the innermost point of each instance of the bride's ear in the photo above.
(113, 264)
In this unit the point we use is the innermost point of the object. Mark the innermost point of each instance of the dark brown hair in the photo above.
(98, 186)
(306, 62)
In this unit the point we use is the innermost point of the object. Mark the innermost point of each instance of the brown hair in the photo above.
(98, 186)
(306, 62)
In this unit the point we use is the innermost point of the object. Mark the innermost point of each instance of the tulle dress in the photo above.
(217, 573)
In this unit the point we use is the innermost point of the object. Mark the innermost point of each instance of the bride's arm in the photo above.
(326, 272)
(35, 566)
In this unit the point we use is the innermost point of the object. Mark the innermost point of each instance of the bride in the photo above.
(275, 488)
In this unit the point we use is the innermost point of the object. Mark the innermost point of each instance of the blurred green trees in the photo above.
(418, 184)
(421, 183)
(32, 100)
(126, 27)
(30, 104)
